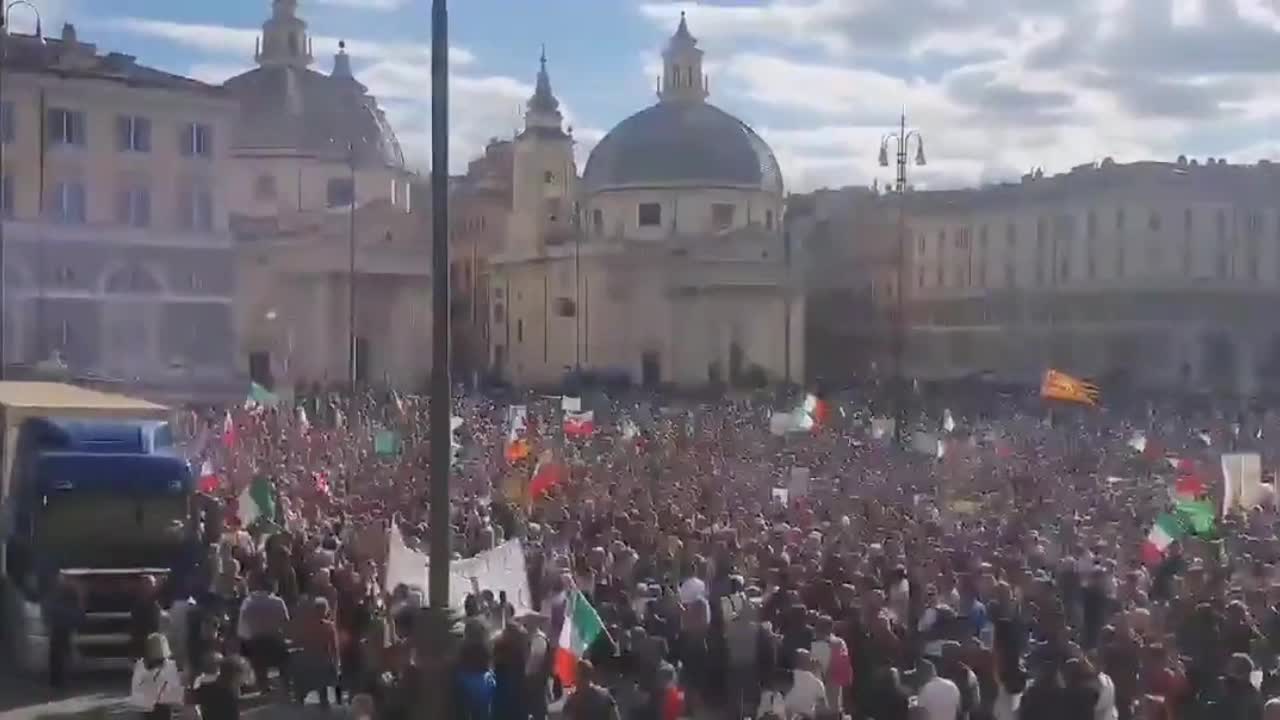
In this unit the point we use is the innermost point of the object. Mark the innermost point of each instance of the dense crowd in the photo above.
(1002, 576)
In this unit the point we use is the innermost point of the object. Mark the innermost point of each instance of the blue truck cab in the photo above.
(101, 501)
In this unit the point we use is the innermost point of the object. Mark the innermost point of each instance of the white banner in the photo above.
(497, 570)
(1241, 481)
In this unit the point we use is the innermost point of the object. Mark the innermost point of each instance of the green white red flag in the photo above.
(581, 628)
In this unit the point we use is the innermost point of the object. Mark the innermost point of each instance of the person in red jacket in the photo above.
(671, 697)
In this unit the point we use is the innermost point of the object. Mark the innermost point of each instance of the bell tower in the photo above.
(546, 177)
(284, 38)
(682, 77)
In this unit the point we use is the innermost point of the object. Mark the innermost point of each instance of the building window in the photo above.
(1153, 221)
(1120, 257)
(6, 196)
(1090, 258)
(195, 209)
(566, 307)
(768, 219)
(553, 209)
(197, 140)
(597, 221)
(1010, 275)
(6, 122)
(921, 244)
(941, 281)
(721, 215)
(1254, 223)
(549, 177)
(650, 214)
(264, 188)
(982, 239)
(1091, 225)
(133, 207)
(1120, 220)
(1064, 261)
(919, 277)
(133, 134)
(520, 330)
(65, 127)
(340, 192)
(67, 204)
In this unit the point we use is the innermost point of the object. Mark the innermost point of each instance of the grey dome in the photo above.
(682, 143)
(284, 106)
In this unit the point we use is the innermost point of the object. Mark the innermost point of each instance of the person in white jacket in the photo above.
(157, 690)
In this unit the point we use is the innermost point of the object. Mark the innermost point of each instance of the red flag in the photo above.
(579, 424)
(1190, 486)
(547, 475)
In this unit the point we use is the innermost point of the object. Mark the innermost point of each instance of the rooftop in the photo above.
(66, 56)
(61, 397)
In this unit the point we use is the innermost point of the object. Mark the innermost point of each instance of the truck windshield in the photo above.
(92, 530)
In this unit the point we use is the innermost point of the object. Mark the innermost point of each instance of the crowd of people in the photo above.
(1001, 576)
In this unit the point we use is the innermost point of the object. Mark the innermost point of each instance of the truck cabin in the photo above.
(96, 495)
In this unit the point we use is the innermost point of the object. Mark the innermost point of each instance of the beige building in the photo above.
(850, 264)
(665, 262)
(1161, 273)
(117, 254)
(332, 247)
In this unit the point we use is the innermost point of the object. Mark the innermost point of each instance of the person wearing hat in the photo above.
(156, 689)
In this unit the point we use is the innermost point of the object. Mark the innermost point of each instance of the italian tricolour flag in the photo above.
(1167, 530)
(581, 628)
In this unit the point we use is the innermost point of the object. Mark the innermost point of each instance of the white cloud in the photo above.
(996, 86)
(378, 5)
(398, 74)
(224, 40)
(482, 107)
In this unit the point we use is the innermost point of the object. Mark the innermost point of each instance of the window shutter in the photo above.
(185, 209)
(143, 209)
(122, 134)
(185, 134)
(124, 203)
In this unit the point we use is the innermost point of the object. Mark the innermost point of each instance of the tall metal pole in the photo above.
(440, 412)
(352, 370)
(4, 289)
(902, 140)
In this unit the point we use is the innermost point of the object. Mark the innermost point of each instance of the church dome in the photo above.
(299, 109)
(691, 143)
(683, 140)
(288, 106)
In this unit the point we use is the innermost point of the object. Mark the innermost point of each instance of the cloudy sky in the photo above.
(996, 87)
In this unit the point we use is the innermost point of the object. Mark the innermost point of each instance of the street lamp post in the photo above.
(4, 50)
(901, 141)
(352, 370)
